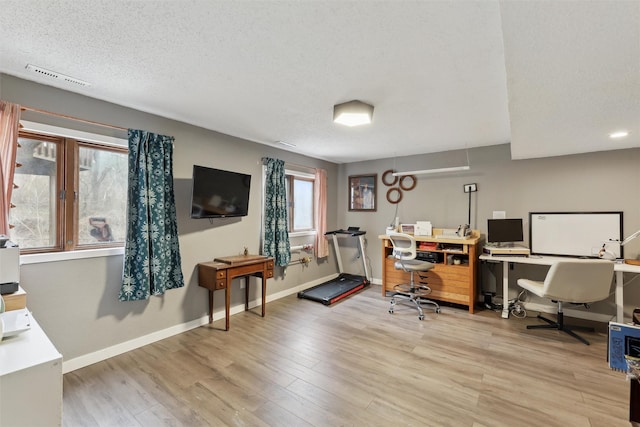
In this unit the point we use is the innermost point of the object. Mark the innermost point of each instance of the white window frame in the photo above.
(306, 176)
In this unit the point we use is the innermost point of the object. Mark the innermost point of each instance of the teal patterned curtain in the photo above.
(276, 235)
(152, 254)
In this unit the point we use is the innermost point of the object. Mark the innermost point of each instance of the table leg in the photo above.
(246, 293)
(619, 297)
(227, 303)
(505, 290)
(264, 291)
(210, 306)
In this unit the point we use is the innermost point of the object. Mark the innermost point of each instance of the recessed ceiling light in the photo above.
(619, 134)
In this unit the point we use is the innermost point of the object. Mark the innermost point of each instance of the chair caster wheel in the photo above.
(437, 311)
(421, 317)
(390, 311)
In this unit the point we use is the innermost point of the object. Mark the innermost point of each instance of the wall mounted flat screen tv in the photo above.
(219, 193)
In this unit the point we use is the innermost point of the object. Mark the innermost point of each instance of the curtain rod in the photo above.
(291, 164)
(300, 166)
(64, 116)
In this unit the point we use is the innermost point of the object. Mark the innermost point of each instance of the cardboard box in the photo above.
(624, 339)
(16, 300)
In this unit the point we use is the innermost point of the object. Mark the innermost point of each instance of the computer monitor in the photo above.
(505, 230)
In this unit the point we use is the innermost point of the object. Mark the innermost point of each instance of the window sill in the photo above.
(302, 233)
(69, 255)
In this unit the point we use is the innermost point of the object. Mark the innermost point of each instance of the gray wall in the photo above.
(76, 301)
(603, 181)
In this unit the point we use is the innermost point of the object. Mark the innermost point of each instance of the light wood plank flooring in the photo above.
(354, 364)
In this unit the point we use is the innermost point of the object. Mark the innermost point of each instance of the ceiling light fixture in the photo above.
(353, 113)
(428, 171)
(619, 134)
(437, 170)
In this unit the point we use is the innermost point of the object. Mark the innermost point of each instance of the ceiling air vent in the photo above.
(43, 72)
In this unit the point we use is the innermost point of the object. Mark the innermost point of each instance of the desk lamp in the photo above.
(607, 254)
(630, 238)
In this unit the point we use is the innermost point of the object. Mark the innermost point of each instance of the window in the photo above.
(300, 201)
(68, 194)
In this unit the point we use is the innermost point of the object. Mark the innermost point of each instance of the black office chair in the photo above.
(404, 251)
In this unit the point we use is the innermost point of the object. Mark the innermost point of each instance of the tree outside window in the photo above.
(68, 194)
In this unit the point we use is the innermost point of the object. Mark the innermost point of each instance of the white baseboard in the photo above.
(106, 353)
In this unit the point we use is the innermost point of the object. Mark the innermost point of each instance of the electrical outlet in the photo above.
(470, 188)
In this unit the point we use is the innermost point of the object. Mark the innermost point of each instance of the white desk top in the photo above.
(548, 260)
(29, 348)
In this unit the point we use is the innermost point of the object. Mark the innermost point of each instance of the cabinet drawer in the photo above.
(445, 295)
(211, 278)
(457, 288)
(449, 273)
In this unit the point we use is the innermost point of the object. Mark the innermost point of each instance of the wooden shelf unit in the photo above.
(448, 282)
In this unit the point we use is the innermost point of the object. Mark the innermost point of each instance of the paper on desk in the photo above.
(423, 228)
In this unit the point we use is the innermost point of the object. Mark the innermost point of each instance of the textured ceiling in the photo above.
(552, 78)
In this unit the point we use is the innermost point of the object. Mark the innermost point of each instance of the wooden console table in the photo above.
(219, 273)
(453, 279)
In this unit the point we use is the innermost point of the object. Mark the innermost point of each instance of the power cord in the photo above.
(516, 305)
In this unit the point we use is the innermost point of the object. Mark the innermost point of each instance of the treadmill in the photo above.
(345, 284)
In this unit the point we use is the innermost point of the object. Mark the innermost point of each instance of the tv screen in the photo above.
(218, 193)
(505, 230)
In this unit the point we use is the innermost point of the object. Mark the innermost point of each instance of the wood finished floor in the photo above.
(354, 364)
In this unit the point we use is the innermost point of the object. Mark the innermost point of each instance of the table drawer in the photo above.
(211, 278)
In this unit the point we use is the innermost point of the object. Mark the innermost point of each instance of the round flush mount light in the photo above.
(619, 134)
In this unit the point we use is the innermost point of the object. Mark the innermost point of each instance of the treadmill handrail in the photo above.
(351, 233)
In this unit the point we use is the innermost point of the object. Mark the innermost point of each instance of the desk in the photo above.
(449, 282)
(618, 268)
(220, 273)
(30, 380)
